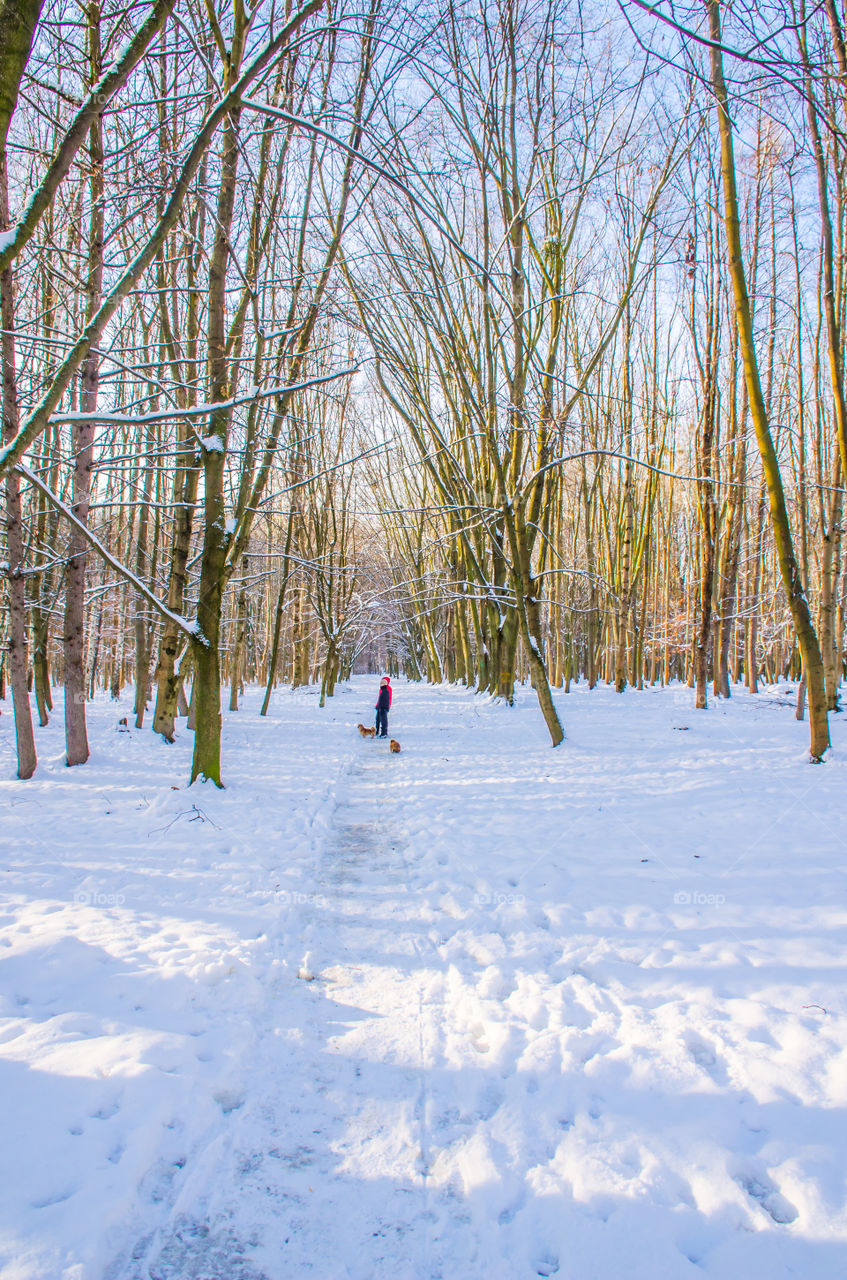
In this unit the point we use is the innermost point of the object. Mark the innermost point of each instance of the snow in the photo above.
(205, 409)
(481, 1009)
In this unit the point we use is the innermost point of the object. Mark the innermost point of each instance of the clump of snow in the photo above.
(482, 1009)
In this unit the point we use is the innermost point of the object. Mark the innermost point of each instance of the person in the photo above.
(383, 703)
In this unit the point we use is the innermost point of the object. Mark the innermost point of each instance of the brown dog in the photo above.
(394, 745)
(366, 733)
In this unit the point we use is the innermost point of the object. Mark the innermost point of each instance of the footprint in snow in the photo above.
(705, 1057)
(193, 1252)
(598, 1045)
(57, 1197)
(547, 1266)
(479, 1039)
(485, 1105)
(105, 1112)
(229, 1100)
(299, 1158)
(511, 1211)
(577, 1015)
(158, 1183)
(760, 1189)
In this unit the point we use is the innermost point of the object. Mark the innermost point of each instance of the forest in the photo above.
(473, 370)
(482, 344)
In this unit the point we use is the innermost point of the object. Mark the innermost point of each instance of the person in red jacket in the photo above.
(383, 704)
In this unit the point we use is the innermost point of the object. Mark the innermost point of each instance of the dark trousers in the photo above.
(382, 722)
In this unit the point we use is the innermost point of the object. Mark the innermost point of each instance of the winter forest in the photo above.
(497, 349)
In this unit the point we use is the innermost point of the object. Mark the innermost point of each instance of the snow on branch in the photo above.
(114, 77)
(12, 452)
(188, 628)
(200, 410)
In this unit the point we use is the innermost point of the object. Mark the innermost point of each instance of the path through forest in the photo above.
(336, 1180)
(478, 1010)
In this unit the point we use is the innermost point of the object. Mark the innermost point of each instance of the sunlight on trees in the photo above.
(486, 344)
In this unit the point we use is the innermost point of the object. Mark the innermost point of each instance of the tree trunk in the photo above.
(40, 664)
(186, 480)
(829, 575)
(274, 658)
(206, 693)
(142, 630)
(240, 640)
(82, 434)
(804, 628)
(185, 485)
(24, 736)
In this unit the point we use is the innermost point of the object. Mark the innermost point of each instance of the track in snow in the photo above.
(478, 1011)
(322, 1166)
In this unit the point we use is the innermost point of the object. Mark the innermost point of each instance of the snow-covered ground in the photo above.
(482, 1009)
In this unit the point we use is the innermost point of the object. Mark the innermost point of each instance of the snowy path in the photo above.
(479, 1010)
(352, 1150)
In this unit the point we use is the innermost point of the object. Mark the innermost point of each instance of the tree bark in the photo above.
(141, 627)
(240, 640)
(206, 693)
(82, 434)
(280, 608)
(18, 19)
(804, 628)
(24, 736)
